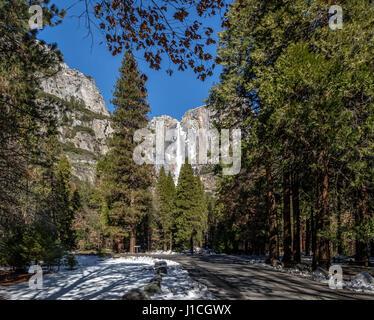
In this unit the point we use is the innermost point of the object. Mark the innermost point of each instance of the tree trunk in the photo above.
(307, 236)
(132, 227)
(171, 241)
(362, 247)
(287, 232)
(322, 257)
(313, 232)
(149, 239)
(132, 239)
(272, 216)
(165, 242)
(296, 218)
(339, 230)
(201, 244)
(191, 243)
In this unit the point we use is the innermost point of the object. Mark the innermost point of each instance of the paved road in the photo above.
(232, 278)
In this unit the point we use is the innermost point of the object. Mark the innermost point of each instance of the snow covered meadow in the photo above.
(95, 278)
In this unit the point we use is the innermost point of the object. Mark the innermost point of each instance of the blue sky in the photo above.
(171, 95)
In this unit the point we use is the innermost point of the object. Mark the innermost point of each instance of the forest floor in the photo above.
(10, 277)
(235, 277)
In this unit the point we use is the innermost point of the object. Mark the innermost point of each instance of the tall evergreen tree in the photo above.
(166, 197)
(164, 213)
(311, 95)
(188, 208)
(171, 192)
(202, 206)
(24, 120)
(125, 184)
(65, 203)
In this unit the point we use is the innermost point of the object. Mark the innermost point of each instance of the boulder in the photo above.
(320, 274)
(276, 263)
(157, 278)
(160, 264)
(302, 267)
(154, 287)
(162, 270)
(161, 267)
(135, 294)
(363, 278)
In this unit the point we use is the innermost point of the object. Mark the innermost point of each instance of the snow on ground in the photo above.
(362, 282)
(177, 285)
(206, 251)
(96, 278)
(158, 252)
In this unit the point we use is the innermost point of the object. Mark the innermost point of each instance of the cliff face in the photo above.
(83, 119)
(198, 118)
(84, 126)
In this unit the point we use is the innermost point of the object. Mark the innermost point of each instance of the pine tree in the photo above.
(306, 85)
(202, 210)
(166, 198)
(25, 121)
(65, 203)
(124, 184)
(164, 213)
(171, 191)
(188, 215)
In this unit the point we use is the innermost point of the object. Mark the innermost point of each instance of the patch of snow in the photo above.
(97, 278)
(206, 251)
(360, 282)
(177, 285)
(158, 252)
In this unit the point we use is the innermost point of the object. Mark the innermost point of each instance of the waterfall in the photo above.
(180, 154)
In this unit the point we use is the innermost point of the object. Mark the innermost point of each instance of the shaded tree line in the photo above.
(37, 195)
(306, 97)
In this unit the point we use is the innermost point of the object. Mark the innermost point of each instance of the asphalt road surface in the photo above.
(228, 277)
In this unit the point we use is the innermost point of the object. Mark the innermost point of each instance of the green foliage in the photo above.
(73, 105)
(71, 149)
(65, 202)
(32, 225)
(124, 185)
(191, 208)
(24, 122)
(165, 190)
(304, 94)
(71, 261)
(101, 252)
(73, 132)
(21, 247)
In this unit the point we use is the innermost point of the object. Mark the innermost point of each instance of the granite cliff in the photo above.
(83, 119)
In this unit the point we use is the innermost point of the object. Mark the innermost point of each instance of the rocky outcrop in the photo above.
(83, 119)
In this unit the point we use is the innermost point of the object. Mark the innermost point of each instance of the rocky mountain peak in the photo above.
(83, 119)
